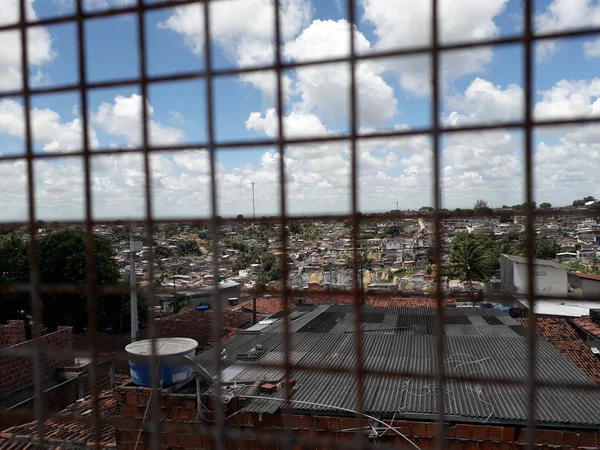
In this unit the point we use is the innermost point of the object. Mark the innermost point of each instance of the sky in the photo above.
(477, 86)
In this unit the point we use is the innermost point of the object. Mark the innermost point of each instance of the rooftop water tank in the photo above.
(202, 307)
(170, 352)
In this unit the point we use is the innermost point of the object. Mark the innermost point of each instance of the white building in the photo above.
(550, 278)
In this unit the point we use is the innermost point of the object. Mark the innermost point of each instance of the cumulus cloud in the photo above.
(123, 118)
(40, 49)
(295, 125)
(405, 23)
(483, 101)
(48, 129)
(247, 42)
(486, 161)
(325, 89)
(563, 15)
(569, 98)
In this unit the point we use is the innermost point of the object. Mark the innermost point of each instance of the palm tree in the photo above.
(467, 257)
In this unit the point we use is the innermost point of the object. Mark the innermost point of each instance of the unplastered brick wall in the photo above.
(12, 333)
(16, 372)
(178, 410)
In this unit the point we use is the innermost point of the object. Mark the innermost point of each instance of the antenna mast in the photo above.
(253, 206)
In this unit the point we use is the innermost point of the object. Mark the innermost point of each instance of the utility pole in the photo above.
(253, 207)
(396, 205)
(133, 285)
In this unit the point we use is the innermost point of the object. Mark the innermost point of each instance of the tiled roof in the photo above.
(347, 299)
(263, 306)
(65, 434)
(563, 336)
(589, 326)
(586, 276)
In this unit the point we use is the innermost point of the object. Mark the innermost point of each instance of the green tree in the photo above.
(14, 269)
(544, 247)
(576, 265)
(426, 208)
(545, 205)
(481, 206)
(188, 248)
(260, 283)
(584, 200)
(62, 260)
(275, 273)
(170, 230)
(162, 251)
(295, 227)
(393, 231)
(472, 257)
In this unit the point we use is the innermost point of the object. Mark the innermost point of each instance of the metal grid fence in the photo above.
(527, 40)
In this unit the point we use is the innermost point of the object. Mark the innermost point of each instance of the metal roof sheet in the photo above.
(483, 342)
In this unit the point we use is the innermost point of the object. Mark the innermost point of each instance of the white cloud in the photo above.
(565, 160)
(175, 117)
(193, 162)
(325, 89)
(563, 15)
(123, 118)
(295, 125)
(591, 49)
(406, 23)
(39, 42)
(244, 29)
(47, 128)
(483, 101)
(13, 183)
(569, 98)
(93, 5)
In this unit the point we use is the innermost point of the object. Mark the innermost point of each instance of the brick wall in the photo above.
(67, 392)
(12, 333)
(16, 372)
(179, 410)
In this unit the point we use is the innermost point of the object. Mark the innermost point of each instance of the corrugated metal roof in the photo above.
(483, 342)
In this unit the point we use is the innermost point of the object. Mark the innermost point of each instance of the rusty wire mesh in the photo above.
(527, 40)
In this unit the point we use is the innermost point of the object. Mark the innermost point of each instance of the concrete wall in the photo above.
(548, 280)
(507, 275)
(590, 288)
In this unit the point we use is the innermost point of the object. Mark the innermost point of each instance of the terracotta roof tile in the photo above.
(589, 326)
(65, 434)
(587, 276)
(561, 333)
(409, 302)
(264, 306)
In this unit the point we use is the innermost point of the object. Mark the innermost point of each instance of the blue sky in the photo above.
(479, 85)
